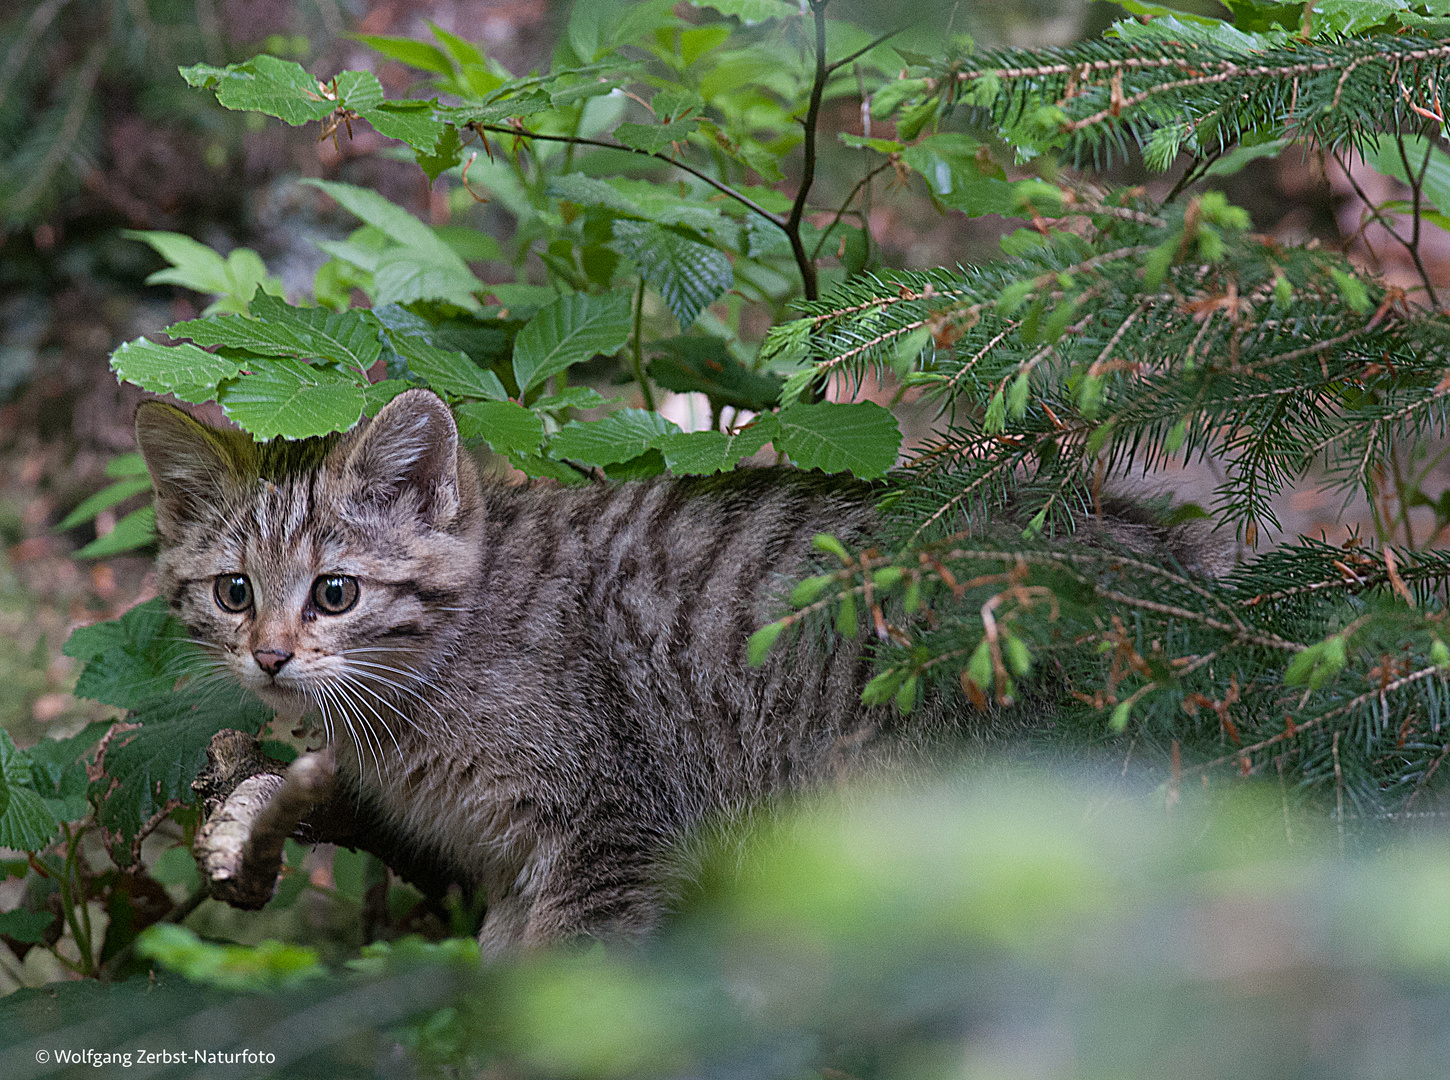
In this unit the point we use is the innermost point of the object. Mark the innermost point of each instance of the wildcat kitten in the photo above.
(533, 693)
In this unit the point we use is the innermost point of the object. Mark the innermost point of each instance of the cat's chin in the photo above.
(290, 704)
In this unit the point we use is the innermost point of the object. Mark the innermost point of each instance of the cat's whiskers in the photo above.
(393, 684)
(414, 676)
(359, 742)
(360, 685)
(346, 687)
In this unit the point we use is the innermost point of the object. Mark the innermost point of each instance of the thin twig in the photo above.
(744, 200)
(649, 400)
(831, 69)
(846, 205)
(804, 263)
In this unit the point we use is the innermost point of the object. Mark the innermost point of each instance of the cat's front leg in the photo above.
(253, 805)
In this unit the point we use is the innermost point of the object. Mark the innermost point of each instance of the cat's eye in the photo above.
(233, 592)
(334, 593)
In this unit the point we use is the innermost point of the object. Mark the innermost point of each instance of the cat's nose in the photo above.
(271, 660)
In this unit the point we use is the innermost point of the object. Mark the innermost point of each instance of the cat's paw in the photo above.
(239, 848)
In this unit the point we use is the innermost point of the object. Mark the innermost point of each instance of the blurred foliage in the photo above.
(998, 925)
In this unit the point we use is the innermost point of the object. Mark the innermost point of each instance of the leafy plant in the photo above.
(654, 224)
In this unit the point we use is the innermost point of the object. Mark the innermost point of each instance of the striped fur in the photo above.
(542, 691)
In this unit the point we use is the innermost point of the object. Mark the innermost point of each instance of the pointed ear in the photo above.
(408, 456)
(194, 467)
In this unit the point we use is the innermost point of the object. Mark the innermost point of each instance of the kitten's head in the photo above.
(324, 573)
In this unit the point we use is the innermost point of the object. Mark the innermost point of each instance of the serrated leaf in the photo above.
(704, 365)
(294, 400)
(507, 427)
(422, 267)
(104, 500)
(534, 465)
(133, 658)
(573, 397)
(413, 122)
(862, 438)
(349, 338)
(185, 371)
(452, 373)
(623, 434)
(158, 762)
(25, 823)
(639, 467)
(265, 84)
(701, 452)
(571, 329)
(689, 274)
(656, 138)
(136, 529)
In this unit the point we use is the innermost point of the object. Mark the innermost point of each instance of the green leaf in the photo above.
(688, 273)
(138, 656)
(418, 54)
(507, 427)
(861, 438)
(534, 465)
(829, 545)
(136, 529)
(452, 373)
(656, 138)
(262, 968)
(294, 400)
(422, 267)
(349, 338)
(623, 434)
(265, 84)
(446, 153)
(1240, 156)
(571, 329)
(750, 12)
(380, 393)
(104, 500)
(234, 280)
(132, 464)
(25, 823)
(185, 371)
(472, 245)
(759, 643)
(881, 146)
(157, 762)
(699, 452)
(1383, 155)
(26, 927)
(1355, 295)
(413, 122)
(573, 397)
(704, 365)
